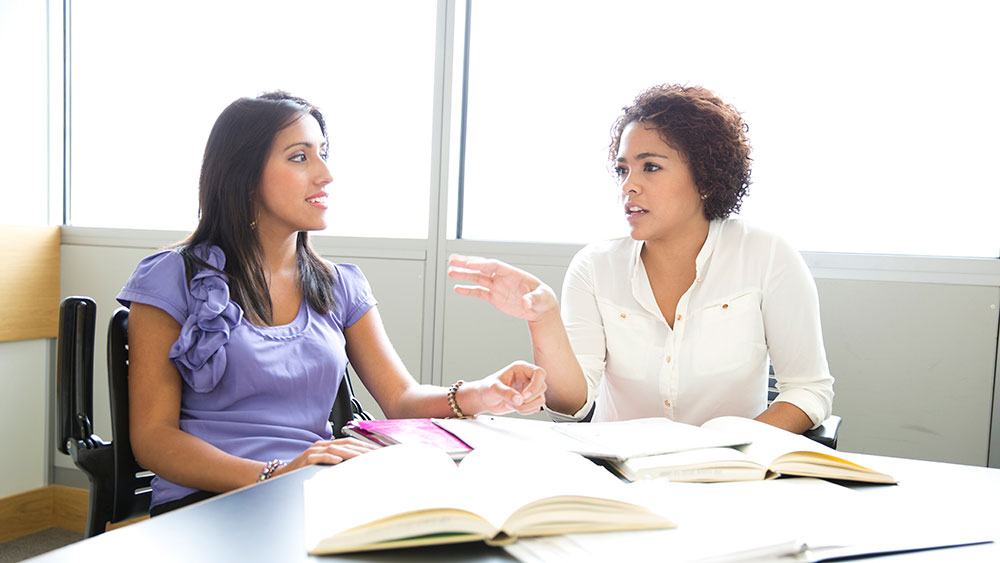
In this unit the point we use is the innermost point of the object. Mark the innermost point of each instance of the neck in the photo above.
(682, 245)
(279, 251)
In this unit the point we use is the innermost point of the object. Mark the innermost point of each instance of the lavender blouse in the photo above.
(255, 392)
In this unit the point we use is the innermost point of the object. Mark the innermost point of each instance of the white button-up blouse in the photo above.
(753, 298)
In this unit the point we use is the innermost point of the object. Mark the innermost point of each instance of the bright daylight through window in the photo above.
(871, 121)
(149, 79)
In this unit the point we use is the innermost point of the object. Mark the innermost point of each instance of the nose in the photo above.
(627, 185)
(323, 175)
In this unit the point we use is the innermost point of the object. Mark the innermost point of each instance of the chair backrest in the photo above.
(346, 407)
(131, 489)
(75, 371)
(74, 391)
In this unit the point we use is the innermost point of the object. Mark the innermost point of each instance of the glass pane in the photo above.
(149, 79)
(870, 120)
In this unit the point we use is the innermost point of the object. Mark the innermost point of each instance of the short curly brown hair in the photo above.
(710, 134)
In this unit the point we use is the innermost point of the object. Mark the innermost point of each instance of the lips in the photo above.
(317, 199)
(632, 211)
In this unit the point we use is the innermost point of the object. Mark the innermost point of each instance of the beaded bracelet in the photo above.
(452, 391)
(269, 469)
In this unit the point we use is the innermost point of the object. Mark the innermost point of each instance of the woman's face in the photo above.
(291, 196)
(658, 191)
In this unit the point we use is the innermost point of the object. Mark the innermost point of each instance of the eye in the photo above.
(298, 157)
(324, 155)
(620, 171)
(650, 167)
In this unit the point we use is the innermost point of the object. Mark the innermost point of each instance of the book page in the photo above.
(785, 452)
(706, 465)
(717, 522)
(648, 436)
(538, 491)
(485, 431)
(768, 442)
(381, 485)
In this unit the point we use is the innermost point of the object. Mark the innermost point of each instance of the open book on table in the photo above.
(407, 431)
(619, 440)
(407, 495)
(771, 453)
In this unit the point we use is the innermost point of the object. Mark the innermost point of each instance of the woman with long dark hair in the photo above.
(240, 335)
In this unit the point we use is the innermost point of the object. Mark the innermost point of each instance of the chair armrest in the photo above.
(825, 433)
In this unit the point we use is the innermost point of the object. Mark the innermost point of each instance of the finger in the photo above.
(473, 291)
(500, 393)
(532, 406)
(536, 386)
(347, 452)
(323, 458)
(350, 442)
(463, 274)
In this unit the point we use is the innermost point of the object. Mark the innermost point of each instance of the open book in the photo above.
(618, 440)
(772, 452)
(407, 495)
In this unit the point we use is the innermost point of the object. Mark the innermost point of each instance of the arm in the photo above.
(522, 295)
(155, 400)
(786, 416)
(519, 387)
(790, 308)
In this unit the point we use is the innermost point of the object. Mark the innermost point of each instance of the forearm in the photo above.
(189, 461)
(567, 386)
(786, 416)
(426, 401)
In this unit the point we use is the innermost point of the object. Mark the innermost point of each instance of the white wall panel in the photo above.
(23, 401)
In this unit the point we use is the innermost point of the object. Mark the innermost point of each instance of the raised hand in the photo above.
(509, 289)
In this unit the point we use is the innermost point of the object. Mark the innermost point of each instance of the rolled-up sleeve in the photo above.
(790, 307)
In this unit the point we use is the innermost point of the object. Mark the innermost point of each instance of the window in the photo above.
(871, 121)
(149, 79)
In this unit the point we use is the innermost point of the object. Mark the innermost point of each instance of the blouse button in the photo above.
(725, 305)
(666, 403)
(668, 359)
(623, 315)
(678, 317)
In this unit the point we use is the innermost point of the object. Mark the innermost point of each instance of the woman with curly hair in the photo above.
(679, 319)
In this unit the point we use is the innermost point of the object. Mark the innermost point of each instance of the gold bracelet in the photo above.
(452, 391)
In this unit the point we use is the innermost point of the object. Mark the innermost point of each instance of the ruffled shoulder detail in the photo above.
(199, 353)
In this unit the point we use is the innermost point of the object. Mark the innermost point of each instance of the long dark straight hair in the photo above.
(231, 171)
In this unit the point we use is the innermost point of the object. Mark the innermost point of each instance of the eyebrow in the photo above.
(643, 155)
(303, 143)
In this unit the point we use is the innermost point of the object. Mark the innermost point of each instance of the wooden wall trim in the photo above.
(29, 282)
(54, 506)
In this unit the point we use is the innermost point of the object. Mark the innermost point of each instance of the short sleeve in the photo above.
(159, 280)
(202, 308)
(354, 295)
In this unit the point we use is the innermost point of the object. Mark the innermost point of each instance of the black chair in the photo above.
(119, 486)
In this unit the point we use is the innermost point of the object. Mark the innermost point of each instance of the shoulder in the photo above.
(605, 253)
(353, 292)
(347, 277)
(160, 279)
(736, 235)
